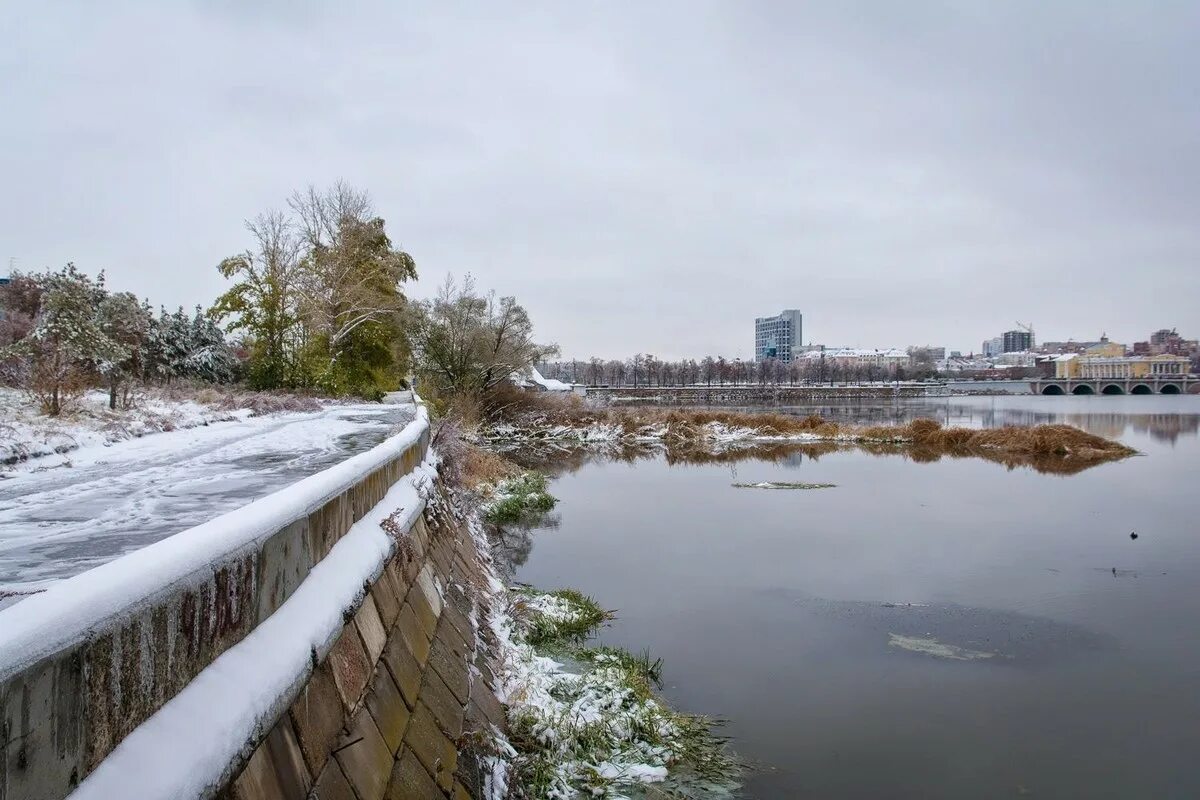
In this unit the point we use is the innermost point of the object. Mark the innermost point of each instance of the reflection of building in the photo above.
(775, 337)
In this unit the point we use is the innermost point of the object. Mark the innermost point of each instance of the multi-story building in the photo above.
(1016, 341)
(778, 337)
(1089, 367)
(1166, 340)
(1016, 359)
(993, 347)
(855, 357)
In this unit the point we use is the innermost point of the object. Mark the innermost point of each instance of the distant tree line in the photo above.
(647, 370)
(62, 332)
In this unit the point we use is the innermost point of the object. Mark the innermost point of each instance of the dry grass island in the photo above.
(568, 420)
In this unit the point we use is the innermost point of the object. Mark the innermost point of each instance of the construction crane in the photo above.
(1028, 329)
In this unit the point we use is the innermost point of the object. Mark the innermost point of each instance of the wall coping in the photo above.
(75, 609)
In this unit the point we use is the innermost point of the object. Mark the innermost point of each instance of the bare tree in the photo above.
(265, 300)
(467, 343)
(351, 273)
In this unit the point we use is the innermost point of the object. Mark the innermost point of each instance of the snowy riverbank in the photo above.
(26, 434)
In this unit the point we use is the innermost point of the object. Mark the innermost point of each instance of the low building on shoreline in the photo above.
(1089, 367)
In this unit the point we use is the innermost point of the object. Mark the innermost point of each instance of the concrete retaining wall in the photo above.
(404, 705)
(748, 395)
(84, 664)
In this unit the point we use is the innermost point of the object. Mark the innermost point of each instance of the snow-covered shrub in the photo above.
(515, 498)
(596, 728)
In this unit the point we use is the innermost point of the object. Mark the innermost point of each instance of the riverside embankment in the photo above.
(328, 637)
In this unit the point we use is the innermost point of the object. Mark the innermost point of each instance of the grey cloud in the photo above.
(645, 177)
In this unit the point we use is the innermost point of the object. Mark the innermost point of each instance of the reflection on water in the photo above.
(1163, 418)
(925, 630)
(556, 458)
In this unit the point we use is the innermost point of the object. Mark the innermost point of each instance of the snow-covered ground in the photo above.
(63, 514)
(26, 433)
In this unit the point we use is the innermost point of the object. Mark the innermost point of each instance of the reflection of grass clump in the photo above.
(601, 731)
(518, 497)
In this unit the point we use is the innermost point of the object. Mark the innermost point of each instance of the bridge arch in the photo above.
(1141, 388)
(1053, 388)
(1083, 388)
(1113, 388)
(1169, 388)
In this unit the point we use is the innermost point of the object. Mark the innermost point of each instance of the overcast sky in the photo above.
(644, 176)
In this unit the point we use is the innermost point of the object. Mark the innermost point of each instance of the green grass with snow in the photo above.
(592, 726)
(515, 498)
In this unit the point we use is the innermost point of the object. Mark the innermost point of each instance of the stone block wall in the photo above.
(63, 710)
(404, 705)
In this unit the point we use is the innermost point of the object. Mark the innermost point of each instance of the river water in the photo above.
(952, 629)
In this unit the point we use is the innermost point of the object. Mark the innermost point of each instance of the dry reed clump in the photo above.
(685, 423)
(261, 403)
(1050, 440)
(483, 466)
(208, 396)
(507, 403)
(1038, 440)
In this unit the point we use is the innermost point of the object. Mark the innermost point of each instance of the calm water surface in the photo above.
(1045, 653)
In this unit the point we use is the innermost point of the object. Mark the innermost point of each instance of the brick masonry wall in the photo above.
(61, 716)
(403, 706)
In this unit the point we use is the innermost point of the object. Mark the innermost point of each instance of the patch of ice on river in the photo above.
(932, 647)
(1017, 639)
(783, 485)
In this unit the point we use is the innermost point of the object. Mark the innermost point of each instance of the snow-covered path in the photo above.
(57, 522)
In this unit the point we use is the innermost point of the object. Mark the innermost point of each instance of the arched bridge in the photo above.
(1158, 384)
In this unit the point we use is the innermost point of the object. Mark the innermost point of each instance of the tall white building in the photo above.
(778, 337)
